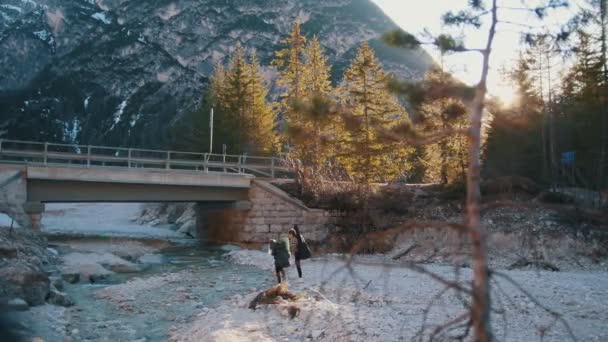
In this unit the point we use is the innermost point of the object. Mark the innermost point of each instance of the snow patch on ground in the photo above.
(121, 109)
(29, 2)
(7, 18)
(118, 114)
(43, 35)
(141, 38)
(12, 8)
(70, 132)
(103, 17)
(169, 12)
(134, 119)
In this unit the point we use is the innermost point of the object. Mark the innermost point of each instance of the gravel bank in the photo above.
(375, 302)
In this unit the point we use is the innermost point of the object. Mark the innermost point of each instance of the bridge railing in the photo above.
(39, 153)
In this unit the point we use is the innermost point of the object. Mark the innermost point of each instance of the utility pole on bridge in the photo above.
(211, 131)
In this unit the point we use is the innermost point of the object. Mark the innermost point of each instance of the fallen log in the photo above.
(272, 296)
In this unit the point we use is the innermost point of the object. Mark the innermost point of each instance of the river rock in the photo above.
(8, 252)
(71, 278)
(24, 281)
(150, 258)
(94, 266)
(315, 334)
(188, 227)
(124, 268)
(57, 297)
(230, 248)
(95, 278)
(57, 282)
(17, 304)
(188, 214)
(85, 272)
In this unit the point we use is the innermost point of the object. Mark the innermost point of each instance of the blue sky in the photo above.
(414, 16)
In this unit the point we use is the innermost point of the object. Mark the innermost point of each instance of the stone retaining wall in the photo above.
(272, 213)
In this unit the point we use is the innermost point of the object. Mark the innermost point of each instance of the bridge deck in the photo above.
(86, 156)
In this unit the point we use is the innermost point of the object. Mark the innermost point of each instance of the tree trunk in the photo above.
(480, 308)
(604, 143)
(551, 112)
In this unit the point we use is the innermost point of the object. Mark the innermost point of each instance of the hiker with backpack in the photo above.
(300, 248)
(280, 252)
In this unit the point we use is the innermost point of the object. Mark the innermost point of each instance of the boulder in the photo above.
(57, 282)
(52, 251)
(94, 267)
(85, 272)
(57, 297)
(188, 228)
(188, 214)
(8, 252)
(24, 281)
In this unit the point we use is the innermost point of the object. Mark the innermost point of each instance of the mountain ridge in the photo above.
(119, 72)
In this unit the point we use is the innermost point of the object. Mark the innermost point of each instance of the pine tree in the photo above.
(311, 132)
(292, 69)
(443, 110)
(582, 113)
(243, 119)
(521, 122)
(261, 116)
(235, 98)
(317, 72)
(224, 132)
(366, 156)
(191, 133)
(446, 159)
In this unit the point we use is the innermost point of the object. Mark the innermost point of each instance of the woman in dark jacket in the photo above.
(280, 252)
(300, 248)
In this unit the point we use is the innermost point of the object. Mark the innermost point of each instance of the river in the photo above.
(146, 305)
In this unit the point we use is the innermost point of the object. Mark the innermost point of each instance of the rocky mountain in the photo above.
(119, 72)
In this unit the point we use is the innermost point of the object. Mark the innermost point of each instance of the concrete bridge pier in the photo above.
(34, 210)
(219, 222)
(268, 214)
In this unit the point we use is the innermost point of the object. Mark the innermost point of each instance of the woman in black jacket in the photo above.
(300, 248)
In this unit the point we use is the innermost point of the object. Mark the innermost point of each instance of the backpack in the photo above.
(280, 252)
(303, 252)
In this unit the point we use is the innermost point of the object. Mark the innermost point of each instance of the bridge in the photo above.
(230, 190)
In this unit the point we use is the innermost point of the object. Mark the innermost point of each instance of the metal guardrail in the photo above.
(39, 153)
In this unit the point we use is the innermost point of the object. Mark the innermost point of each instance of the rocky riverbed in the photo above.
(127, 290)
(153, 292)
(371, 299)
(105, 287)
